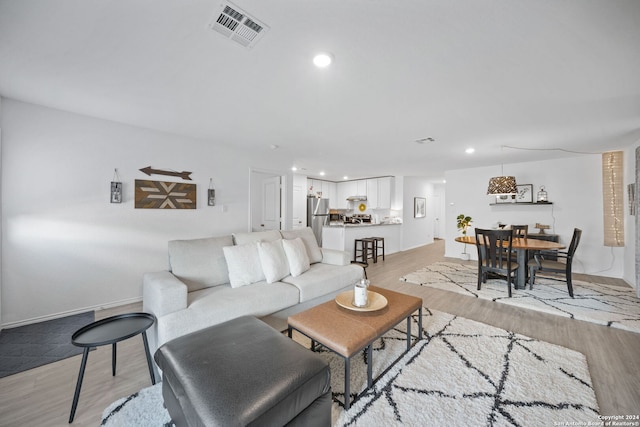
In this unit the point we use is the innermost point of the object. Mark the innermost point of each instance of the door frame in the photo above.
(256, 175)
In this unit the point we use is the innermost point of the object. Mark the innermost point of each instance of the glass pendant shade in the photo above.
(502, 185)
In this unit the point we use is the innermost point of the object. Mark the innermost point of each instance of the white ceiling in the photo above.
(485, 74)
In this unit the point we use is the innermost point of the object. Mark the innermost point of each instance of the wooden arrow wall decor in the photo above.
(150, 171)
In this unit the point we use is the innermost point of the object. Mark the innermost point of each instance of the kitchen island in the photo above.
(342, 237)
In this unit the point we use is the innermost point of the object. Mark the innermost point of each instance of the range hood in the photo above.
(357, 198)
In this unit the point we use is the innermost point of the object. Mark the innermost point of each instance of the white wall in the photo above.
(417, 231)
(0, 213)
(65, 247)
(574, 185)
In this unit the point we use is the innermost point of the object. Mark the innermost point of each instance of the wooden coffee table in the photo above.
(347, 332)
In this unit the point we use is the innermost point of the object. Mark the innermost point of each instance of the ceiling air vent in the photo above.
(235, 24)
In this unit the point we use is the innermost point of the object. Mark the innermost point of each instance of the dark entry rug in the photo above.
(27, 347)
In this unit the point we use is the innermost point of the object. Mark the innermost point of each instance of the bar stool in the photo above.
(364, 266)
(378, 244)
(367, 250)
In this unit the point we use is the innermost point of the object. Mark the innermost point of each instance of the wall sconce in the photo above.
(211, 194)
(116, 188)
(612, 198)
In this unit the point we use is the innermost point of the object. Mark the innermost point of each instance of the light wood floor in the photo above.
(42, 396)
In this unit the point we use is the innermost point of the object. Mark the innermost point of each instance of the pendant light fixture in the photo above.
(502, 185)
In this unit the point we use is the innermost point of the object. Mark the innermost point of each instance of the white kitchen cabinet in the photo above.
(344, 190)
(379, 192)
(372, 193)
(385, 188)
(313, 186)
(327, 188)
(361, 187)
(329, 192)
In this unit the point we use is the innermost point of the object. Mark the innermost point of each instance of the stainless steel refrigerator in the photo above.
(317, 216)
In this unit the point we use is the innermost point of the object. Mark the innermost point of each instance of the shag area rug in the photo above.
(462, 373)
(613, 306)
(27, 347)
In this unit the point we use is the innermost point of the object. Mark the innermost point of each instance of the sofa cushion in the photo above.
(273, 260)
(221, 303)
(244, 265)
(310, 242)
(322, 279)
(199, 263)
(256, 236)
(296, 256)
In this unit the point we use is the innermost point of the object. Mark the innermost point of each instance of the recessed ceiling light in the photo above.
(470, 150)
(321, 173)
(323, 60)
(345, 177)
(293, 168)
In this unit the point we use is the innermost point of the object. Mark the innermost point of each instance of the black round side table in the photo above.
(110, 331)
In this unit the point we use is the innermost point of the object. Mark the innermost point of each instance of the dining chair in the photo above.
(560, 269)
(520, 230)
(494, 249)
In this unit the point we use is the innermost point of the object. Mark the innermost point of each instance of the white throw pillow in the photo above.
(199, 263)
(296, 255)
(310, 242)
(244, 265)
(273, 259)
(256, 236)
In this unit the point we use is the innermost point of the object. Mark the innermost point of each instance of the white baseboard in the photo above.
(70, 313)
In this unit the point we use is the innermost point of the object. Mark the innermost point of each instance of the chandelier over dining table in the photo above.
(503, 185)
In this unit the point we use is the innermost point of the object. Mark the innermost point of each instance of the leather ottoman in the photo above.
(243, 373)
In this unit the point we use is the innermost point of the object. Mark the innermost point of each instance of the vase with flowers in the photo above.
(464, 222)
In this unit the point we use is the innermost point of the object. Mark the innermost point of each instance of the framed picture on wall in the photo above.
(525, 193)
(419, 207)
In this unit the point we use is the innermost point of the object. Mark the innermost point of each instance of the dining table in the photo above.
(521, 245)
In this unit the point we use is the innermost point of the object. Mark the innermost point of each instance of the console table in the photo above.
(544, 236)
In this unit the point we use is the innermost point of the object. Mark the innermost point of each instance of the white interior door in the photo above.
(299, 214)
(270, 203)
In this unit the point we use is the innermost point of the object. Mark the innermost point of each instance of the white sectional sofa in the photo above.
(271, 273)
